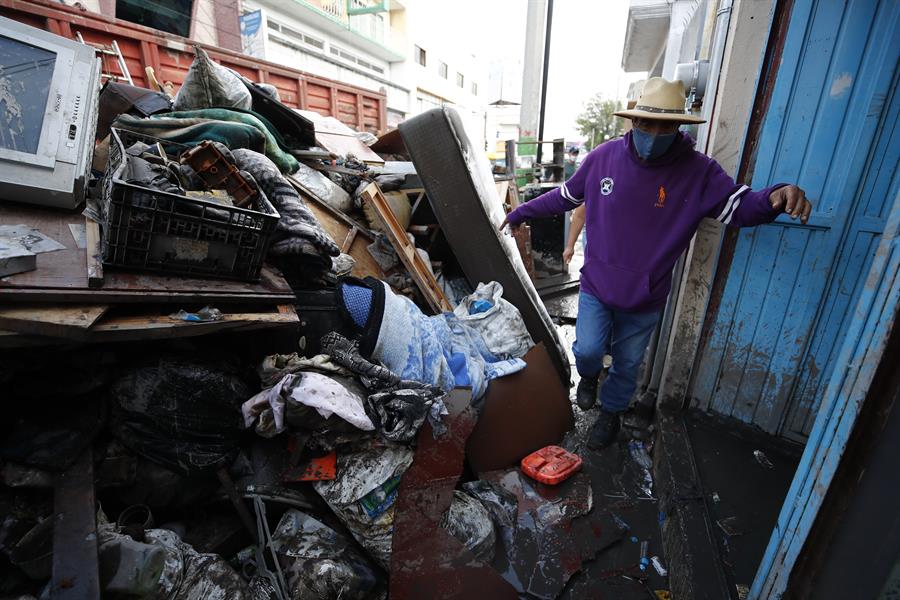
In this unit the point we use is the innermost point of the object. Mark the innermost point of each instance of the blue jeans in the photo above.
(602, 330)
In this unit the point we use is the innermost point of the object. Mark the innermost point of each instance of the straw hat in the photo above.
(662, 100)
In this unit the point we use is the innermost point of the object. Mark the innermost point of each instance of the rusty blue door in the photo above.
(790, 289)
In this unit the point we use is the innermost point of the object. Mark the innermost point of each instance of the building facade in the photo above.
(391, 46)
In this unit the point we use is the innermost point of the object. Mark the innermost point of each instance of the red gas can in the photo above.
(551, 465)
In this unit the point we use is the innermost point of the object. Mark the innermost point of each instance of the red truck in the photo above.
(171, 56)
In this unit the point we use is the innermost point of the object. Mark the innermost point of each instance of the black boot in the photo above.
(605, 430)
(586, 395)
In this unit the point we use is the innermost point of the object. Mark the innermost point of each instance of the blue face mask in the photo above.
(649, 146)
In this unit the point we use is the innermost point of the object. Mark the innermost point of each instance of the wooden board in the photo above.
(341, 228)
(417, 268)
(68, 321)
(340, 139)
(121, 328)
(93, 253)
(62, 276)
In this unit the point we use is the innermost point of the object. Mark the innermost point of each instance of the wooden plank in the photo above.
(348, 241)
(123, 328)
(68, 321)
(417, 268)
(93, 253)
(149, 327)
(76, 574)
(513, 192)
(502, 189)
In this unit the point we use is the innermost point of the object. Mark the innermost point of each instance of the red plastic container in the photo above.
(551, 465)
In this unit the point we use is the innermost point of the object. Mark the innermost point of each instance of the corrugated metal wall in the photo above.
(790, 287)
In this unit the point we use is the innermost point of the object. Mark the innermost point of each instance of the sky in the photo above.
(586, 44)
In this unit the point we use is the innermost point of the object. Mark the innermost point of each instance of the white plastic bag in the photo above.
(209, 84)
(501, 326)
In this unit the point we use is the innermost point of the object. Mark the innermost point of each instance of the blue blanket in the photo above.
(441, 350)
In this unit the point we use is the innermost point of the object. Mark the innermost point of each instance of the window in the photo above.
(296, 35)
(474, 89)
(442, 70)
(172, 17)
(460, 80)
(420, 56)
(314, 42)
(350, 57)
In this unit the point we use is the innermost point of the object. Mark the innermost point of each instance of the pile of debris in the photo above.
(346, 432)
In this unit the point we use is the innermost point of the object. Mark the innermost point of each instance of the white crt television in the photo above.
(49, 88)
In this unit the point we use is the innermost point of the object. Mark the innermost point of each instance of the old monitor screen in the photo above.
(25, 75)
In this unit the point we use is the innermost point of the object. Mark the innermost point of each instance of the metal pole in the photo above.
(544, 78)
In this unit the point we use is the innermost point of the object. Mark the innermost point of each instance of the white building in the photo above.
(395, 46)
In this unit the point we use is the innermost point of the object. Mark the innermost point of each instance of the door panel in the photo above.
(789, 287)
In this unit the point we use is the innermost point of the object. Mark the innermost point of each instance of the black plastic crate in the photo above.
(152, 230)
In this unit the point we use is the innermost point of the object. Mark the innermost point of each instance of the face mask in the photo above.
(649, 146)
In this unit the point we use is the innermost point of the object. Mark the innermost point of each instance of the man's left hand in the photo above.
(792, 201)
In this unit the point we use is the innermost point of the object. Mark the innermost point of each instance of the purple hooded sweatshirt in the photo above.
(640, 216)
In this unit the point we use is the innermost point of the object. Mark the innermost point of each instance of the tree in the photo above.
(597, 122)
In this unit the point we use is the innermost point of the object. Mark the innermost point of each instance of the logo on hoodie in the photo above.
(661, 198)
(606, 186)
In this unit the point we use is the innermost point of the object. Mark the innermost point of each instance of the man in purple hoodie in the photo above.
(644, 196)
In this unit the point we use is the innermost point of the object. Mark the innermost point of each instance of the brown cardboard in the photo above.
(522, 413)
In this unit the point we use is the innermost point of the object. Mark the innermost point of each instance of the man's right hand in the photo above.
(568, 253)
(512, 228)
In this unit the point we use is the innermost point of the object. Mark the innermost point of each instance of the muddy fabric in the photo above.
(319, 398)
(182, 574)
(383, 252)
(147, 174)
(324, 189)
(319, 563)
(358, 473)
(501, 326)
(182, 413)
(380, 380)
(329, 397)
(500, 503)
(469, 522)
(276, 366)
(209, 84)
(273, 401)
(189, 575)
(345, 352)
(191, 132)
(273, 150)
(398, 414)
(298, 228)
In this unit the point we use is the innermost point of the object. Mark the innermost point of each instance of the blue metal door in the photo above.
(831, 128)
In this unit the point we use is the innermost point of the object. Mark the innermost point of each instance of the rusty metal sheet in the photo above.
(556, 531)
(517, 419)
(427, 561)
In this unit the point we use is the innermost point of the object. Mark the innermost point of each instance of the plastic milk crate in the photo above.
(152, 230)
